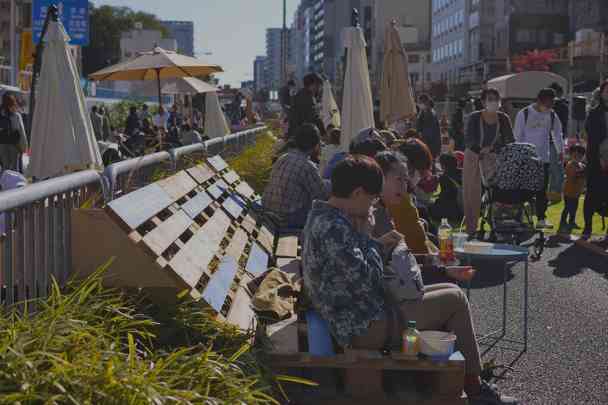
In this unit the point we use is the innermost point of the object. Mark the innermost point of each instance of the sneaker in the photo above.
(489, 395)
(544, 224)
(574, 225)
(586, 235)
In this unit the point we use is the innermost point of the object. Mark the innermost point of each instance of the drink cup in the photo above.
(459, 239)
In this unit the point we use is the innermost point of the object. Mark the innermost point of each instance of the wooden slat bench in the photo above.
(196, 231)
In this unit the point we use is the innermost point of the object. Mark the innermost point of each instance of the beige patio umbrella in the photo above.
(329, 108)
(396, 100)
(184, 85)
(156, 65)
(215, 120)
(63, 140)
(357, 107)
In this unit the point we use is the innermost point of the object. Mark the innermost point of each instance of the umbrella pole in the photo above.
(160, 96)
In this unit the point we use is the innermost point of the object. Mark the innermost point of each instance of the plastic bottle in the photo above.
(446, 245)
(411, 340)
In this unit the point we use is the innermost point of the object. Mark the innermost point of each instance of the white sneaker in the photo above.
(544, 224)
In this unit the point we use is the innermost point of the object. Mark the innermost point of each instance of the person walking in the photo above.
(488, 131)
(106, 125)
(13, 141)
(305, 108)
(597, 173)
(427, 125)
(539, 125)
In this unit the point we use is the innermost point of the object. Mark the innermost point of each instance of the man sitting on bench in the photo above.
(343, 275)
(295, 181)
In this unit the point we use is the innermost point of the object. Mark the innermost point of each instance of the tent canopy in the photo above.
(525, 85)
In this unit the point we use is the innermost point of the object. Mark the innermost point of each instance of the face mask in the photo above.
(492, 106)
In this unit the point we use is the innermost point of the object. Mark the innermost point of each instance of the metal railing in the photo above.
(36, 240)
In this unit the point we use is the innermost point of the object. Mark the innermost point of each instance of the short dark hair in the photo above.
(417, 153)
(387, 159)
(356, 171)
(546, 93)
(144, 107)
(557, 87)
(94, 108)
(133, 109)
(312, 78)
(425, 98)
(369, 147)
(334, 136)
(490, 90)
(577, 148)
(307, 137)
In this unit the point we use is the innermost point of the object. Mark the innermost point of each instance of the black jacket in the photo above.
(305, 110)
(562, 110)
(427, 126)
(133, 124)
(596, 133)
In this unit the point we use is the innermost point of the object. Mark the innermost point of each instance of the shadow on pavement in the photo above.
(574, 260)
(490, 274)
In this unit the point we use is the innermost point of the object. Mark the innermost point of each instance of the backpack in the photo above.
(8, 135)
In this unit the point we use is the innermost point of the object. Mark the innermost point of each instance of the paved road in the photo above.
(567, 358)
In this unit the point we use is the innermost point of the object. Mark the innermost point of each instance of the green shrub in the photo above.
(254, 164)
(91, 345)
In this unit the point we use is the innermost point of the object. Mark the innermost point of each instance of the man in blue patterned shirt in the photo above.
(295, 181)
(343, 270)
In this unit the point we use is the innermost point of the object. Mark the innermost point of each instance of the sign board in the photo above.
(74, 15)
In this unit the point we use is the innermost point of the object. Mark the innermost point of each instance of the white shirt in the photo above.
(536, 131)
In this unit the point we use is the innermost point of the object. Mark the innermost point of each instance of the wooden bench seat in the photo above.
(198, 231)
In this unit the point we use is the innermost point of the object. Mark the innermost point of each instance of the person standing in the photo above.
(305, 108)
(561, 107)
(106, 125)
(428, 125)
(597, 175)
(286, 97)
(145, 113)
(539, 125)
(133, 123)
(457, 125)
(97, 121)
(573, 187)
(13, 141)
(161, 119)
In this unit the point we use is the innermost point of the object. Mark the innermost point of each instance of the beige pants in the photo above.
(443, 307)
(471, 179)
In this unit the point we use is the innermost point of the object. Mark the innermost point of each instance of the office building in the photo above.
(301, 29)
(448, 39)
(588, 14)
(140, 40)
(183, 33)
(532, 24)
(259, 73)
(10, 38)
(273, 58)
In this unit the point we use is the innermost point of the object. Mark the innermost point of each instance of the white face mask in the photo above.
(492, 106)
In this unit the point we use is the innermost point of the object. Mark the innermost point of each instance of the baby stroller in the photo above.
(508, 195)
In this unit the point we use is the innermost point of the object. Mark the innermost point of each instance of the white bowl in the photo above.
(478, 247)
(436, 343)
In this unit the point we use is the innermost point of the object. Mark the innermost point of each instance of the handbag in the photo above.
(488, 162)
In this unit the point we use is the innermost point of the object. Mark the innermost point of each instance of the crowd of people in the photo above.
(356, 207)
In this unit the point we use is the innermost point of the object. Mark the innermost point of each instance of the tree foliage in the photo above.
(107, 24)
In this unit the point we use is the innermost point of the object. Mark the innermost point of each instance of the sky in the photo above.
(233, 30)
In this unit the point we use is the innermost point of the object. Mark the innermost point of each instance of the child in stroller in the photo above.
(506, 204)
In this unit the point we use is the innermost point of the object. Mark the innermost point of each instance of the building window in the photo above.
(558, 39)
(524, 35)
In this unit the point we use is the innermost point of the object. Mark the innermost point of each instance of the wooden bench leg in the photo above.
(360, 383)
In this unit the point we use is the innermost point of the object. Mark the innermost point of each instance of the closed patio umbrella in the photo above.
(329, 108)
(357, 107)
(396, 100)
(215, 120)
(158, 65)
(62, 134)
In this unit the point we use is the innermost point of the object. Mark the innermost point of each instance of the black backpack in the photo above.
(8, 135)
